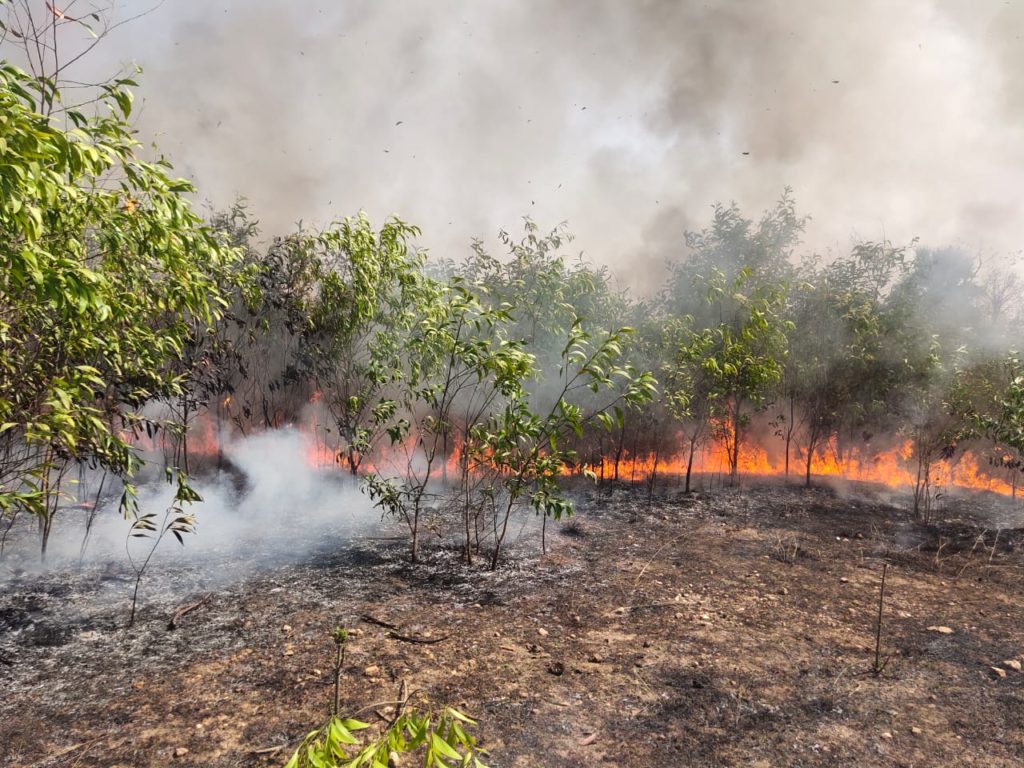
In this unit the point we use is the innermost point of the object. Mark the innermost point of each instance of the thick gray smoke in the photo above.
(625, 118)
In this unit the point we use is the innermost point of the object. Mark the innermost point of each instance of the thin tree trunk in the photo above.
(734, 458)
(810, 461)
(789, 431)
(618, 452)
(415, 534)
(652, 479)
(689, 462)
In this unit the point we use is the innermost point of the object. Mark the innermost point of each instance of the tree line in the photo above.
(468, 387)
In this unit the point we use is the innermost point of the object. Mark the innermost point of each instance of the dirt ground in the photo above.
(735, 628)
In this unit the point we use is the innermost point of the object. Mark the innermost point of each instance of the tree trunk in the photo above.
(789, 431)
(618, 452)
(810, 461)
(652, 479)
(689, 462)
(184, 437)
(734, 456)
(632, 471)
(415, 554)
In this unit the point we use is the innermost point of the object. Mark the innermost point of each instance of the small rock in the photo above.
(371, 671)
(556, 668)
(998, 672)
(845, 580)
(915, 730)
(288, 651)
(286, 628)
(595, 658)
(1012, 664)
(181, 751)
(941, 630)
(886, 735)
(783, 591)
(542, 632)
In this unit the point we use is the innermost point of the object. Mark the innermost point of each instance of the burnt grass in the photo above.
(734, 628)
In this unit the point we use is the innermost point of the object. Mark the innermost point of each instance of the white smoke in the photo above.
(277, 507)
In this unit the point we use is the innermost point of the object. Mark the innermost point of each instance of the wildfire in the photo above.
(895, 467)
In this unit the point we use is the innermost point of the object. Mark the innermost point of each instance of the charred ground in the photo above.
(734, 628)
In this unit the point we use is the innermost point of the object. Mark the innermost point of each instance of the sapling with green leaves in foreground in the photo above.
(438, 736)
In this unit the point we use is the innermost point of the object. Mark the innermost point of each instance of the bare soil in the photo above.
(730, 629)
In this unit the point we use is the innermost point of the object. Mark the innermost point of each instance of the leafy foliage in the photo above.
(106, 275)
(441, 738)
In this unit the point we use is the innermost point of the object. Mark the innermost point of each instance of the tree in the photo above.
(461, 368)
(691, 388)
(369, 291)
(105, 276)
(732, 245)
(528, 445)
(741, 358)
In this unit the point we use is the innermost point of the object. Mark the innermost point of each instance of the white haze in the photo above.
(286, 510)
(628, 119)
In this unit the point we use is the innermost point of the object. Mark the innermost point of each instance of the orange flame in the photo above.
(896, 467)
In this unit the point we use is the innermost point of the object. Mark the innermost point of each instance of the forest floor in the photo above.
(735, 628)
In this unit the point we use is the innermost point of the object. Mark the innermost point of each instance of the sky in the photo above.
(626, 118)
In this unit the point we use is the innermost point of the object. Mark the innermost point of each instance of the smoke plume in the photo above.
(626, 119)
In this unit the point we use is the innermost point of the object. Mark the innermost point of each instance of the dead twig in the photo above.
(395, 633)
(84, 750)
(185, 610)
(403, 696)
(266, 750)
(399, 704)
(879, 665)
(418, 640)
(371, 620)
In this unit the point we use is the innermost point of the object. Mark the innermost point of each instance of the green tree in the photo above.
(528, 444)
(742, 356)
(462, 367)
(105, 276)
(369, 291)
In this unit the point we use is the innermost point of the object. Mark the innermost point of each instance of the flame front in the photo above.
(895, 467)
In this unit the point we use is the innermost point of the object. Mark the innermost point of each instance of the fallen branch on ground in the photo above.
(185, 610)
